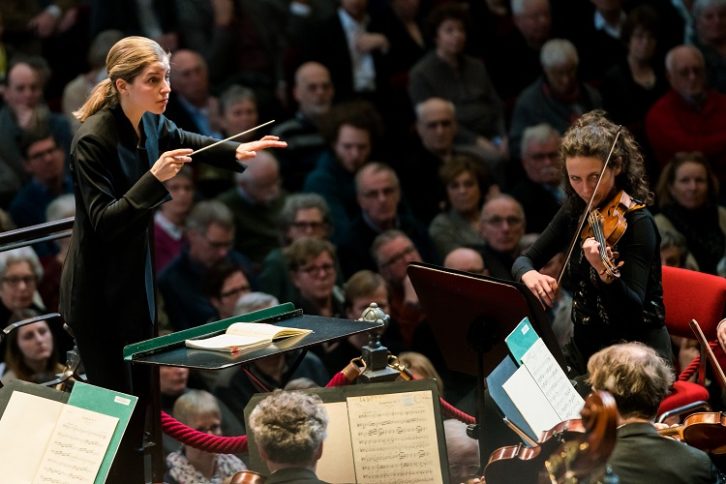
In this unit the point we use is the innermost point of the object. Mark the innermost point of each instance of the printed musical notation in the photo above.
(394, 438)
(77, 447)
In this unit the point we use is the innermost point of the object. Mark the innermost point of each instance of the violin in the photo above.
(247, 477)
(607, 225)
(518, 463)
(702, 430)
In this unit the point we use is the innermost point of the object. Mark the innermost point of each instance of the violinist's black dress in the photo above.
(628, 309)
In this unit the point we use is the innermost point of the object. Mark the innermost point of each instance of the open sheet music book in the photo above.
(245, 336)
(536, 390)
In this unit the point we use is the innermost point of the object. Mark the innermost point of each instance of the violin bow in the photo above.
(234, 136)
(583, 217)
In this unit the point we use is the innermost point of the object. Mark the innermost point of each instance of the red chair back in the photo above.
(693, 295)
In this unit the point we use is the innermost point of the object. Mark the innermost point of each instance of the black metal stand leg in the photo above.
(157, 449)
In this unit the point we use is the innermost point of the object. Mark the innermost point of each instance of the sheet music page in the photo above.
(76, 447)
(531, 402)
(25, 427)
(336, 463)
(553, 382)
(394, 438)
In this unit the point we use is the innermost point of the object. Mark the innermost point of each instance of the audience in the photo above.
(199, 410)
(710, 29)
(687, 193)
(224, 284)
(466, 260)
(170, 218)
(502, 227)
(30, 354)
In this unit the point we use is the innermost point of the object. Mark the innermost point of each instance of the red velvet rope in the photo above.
(692, 367)
(217, 443)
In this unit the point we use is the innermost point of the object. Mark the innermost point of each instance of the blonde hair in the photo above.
(127, 59)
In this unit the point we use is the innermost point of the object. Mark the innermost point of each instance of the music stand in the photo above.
(470, 315)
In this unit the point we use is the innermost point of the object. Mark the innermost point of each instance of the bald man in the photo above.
(466, 260)
(501, 226)
(691, 116)
(256, 203)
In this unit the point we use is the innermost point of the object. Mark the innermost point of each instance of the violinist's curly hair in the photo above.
(290, 427)
(636, 376)
(592, 135)
(126, 59)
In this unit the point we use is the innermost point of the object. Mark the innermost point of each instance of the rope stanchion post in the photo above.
(374, 354)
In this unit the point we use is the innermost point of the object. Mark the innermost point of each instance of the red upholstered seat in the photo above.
(691, 295)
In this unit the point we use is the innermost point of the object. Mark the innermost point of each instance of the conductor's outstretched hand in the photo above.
(249, 150)
(169, 163)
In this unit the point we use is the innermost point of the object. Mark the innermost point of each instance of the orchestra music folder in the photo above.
(52, 436)
(377, 433)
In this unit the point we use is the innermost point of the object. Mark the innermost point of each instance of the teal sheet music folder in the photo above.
(109, 402)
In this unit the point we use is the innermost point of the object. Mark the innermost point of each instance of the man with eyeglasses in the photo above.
(501, 227)
(691, 116)
(45, 162)
(210, 234)
(256, 203)
(540, 190)
(379, 196)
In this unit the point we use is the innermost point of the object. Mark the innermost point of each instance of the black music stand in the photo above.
(470, 315)
(170, 350)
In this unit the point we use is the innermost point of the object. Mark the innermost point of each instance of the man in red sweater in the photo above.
(691, 116)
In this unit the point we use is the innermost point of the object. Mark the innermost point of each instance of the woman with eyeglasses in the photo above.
(121, 157)
(199, 410)
(606, 308)
(312, 268)
(20, 271)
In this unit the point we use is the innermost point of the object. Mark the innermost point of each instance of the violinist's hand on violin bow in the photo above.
(543, 287)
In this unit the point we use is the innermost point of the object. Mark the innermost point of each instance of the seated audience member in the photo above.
(79, 89)
(313, 91)
(20, 271)
(237, 114)
(462, 451)
(557, 98)
(30, 354)
(311, 263)
(378, 193)
(710, 30)
(466, 260)
(170, 218)
(191, 105)
(690, 115)
(448, 73)
(421, 368)
(24, 111)
(44, 160)
(350, 132)
(210, 235)
(224, 284)
(639, 379)
(468, 185)
(687, 193)
(49, 286)
(199, 410)
(673, 251)
(363, 288)
(540, 190)
(256, 202)
(393, 251)
(289, 430)
(302, 215)
(236, 385)
(636, 82)
(502, 227)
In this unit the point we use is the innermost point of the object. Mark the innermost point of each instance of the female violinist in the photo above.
(617, 292)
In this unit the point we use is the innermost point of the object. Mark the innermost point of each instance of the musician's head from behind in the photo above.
(585, 147)
(138, 70)
(289, 429)
(636, 376)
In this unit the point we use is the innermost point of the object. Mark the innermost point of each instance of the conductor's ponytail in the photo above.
(103, 95)
(125, 60)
